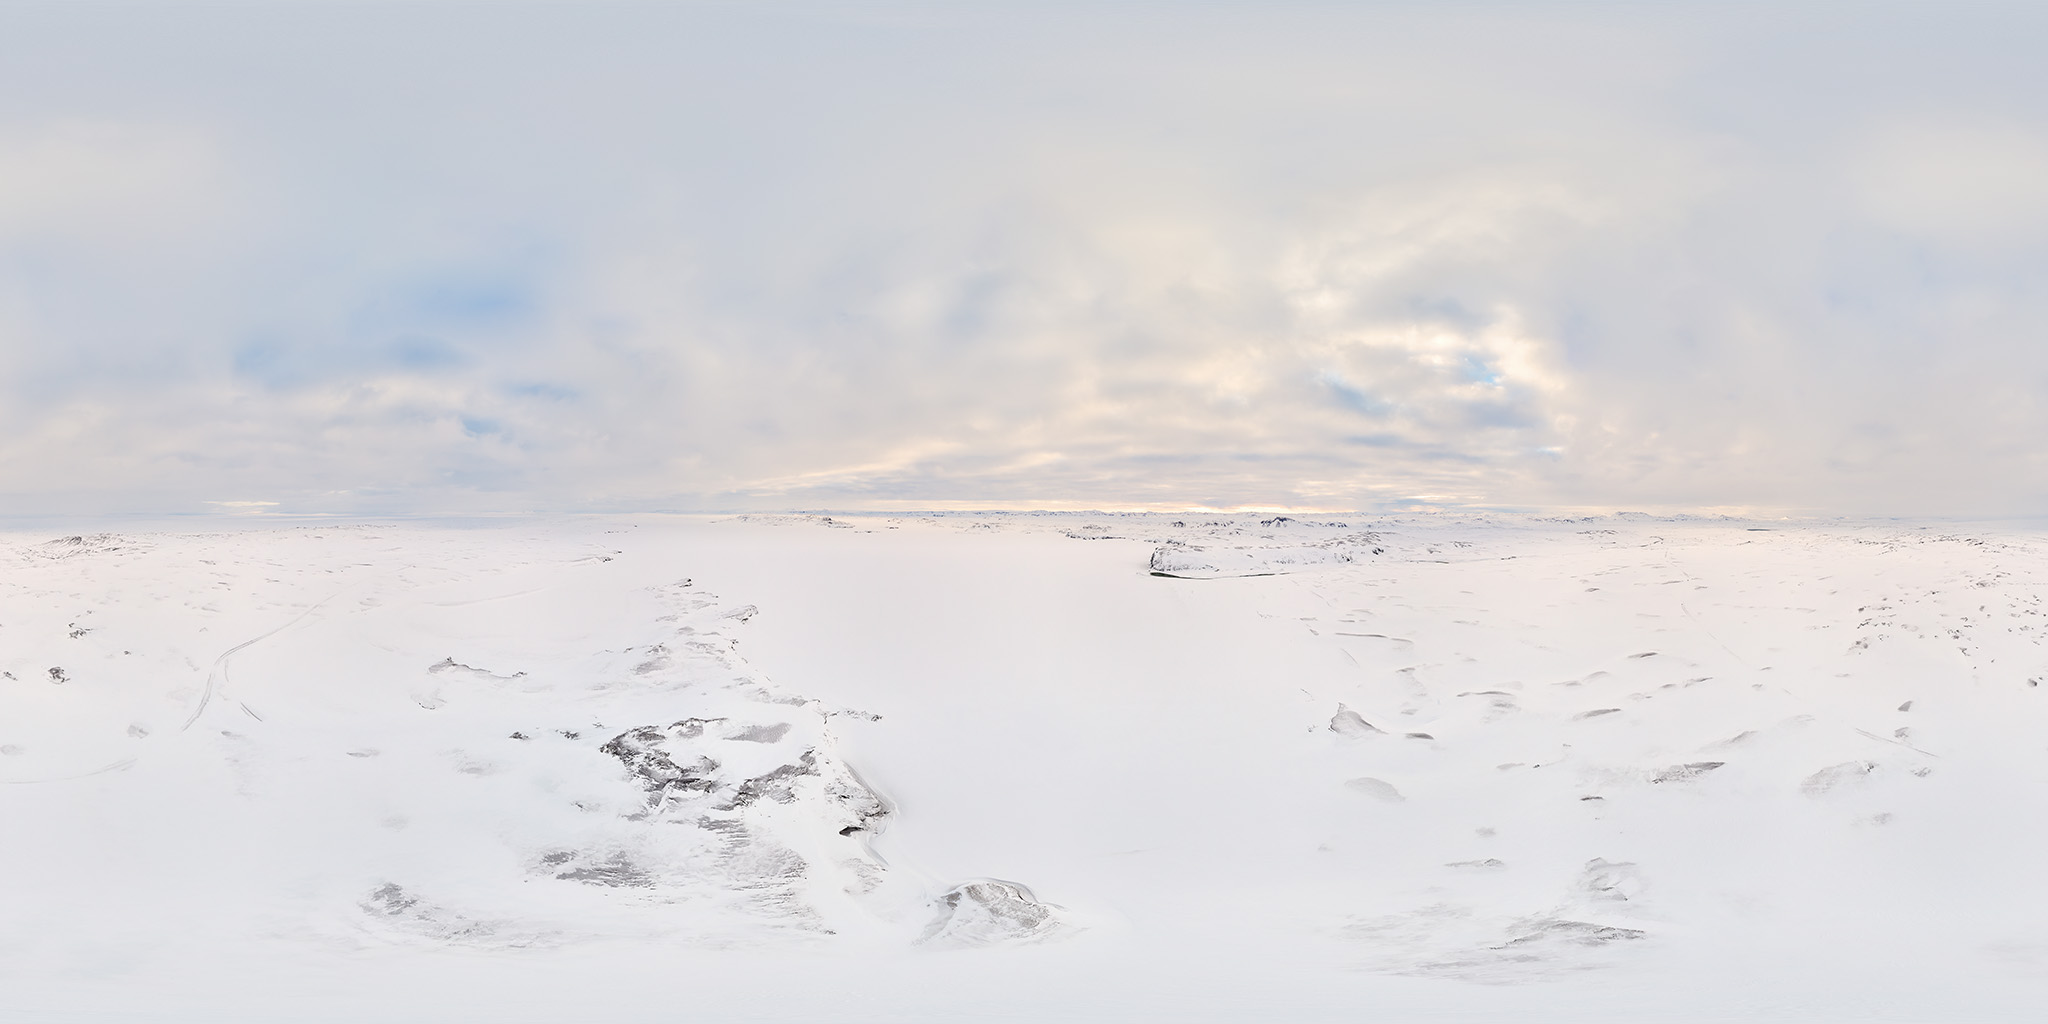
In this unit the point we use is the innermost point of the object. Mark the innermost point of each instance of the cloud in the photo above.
(714, 257)
(1957, 178)
(106, 182)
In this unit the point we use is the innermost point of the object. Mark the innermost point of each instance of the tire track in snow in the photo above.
(217, 676)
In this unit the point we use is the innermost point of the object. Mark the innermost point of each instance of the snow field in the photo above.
(1106, 767)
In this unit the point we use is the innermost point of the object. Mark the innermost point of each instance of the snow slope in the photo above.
(1025, 766)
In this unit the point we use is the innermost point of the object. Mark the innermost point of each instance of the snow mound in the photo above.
(989, 912)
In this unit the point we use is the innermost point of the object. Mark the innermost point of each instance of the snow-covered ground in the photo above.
(1025, 767)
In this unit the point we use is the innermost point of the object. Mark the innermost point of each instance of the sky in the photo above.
(405, 257)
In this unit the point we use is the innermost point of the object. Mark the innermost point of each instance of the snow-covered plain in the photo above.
(1025, 767)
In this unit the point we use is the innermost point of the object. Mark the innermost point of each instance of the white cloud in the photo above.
(96, 180)
(1214, 256)
(1960, 178)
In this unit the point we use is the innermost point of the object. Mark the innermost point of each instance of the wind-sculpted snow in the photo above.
(989, 912)
(1587, 929)
(1226, 767)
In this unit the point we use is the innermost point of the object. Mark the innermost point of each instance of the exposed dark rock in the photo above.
(639, 750)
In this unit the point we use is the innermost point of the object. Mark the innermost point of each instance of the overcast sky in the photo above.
(408, 257)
